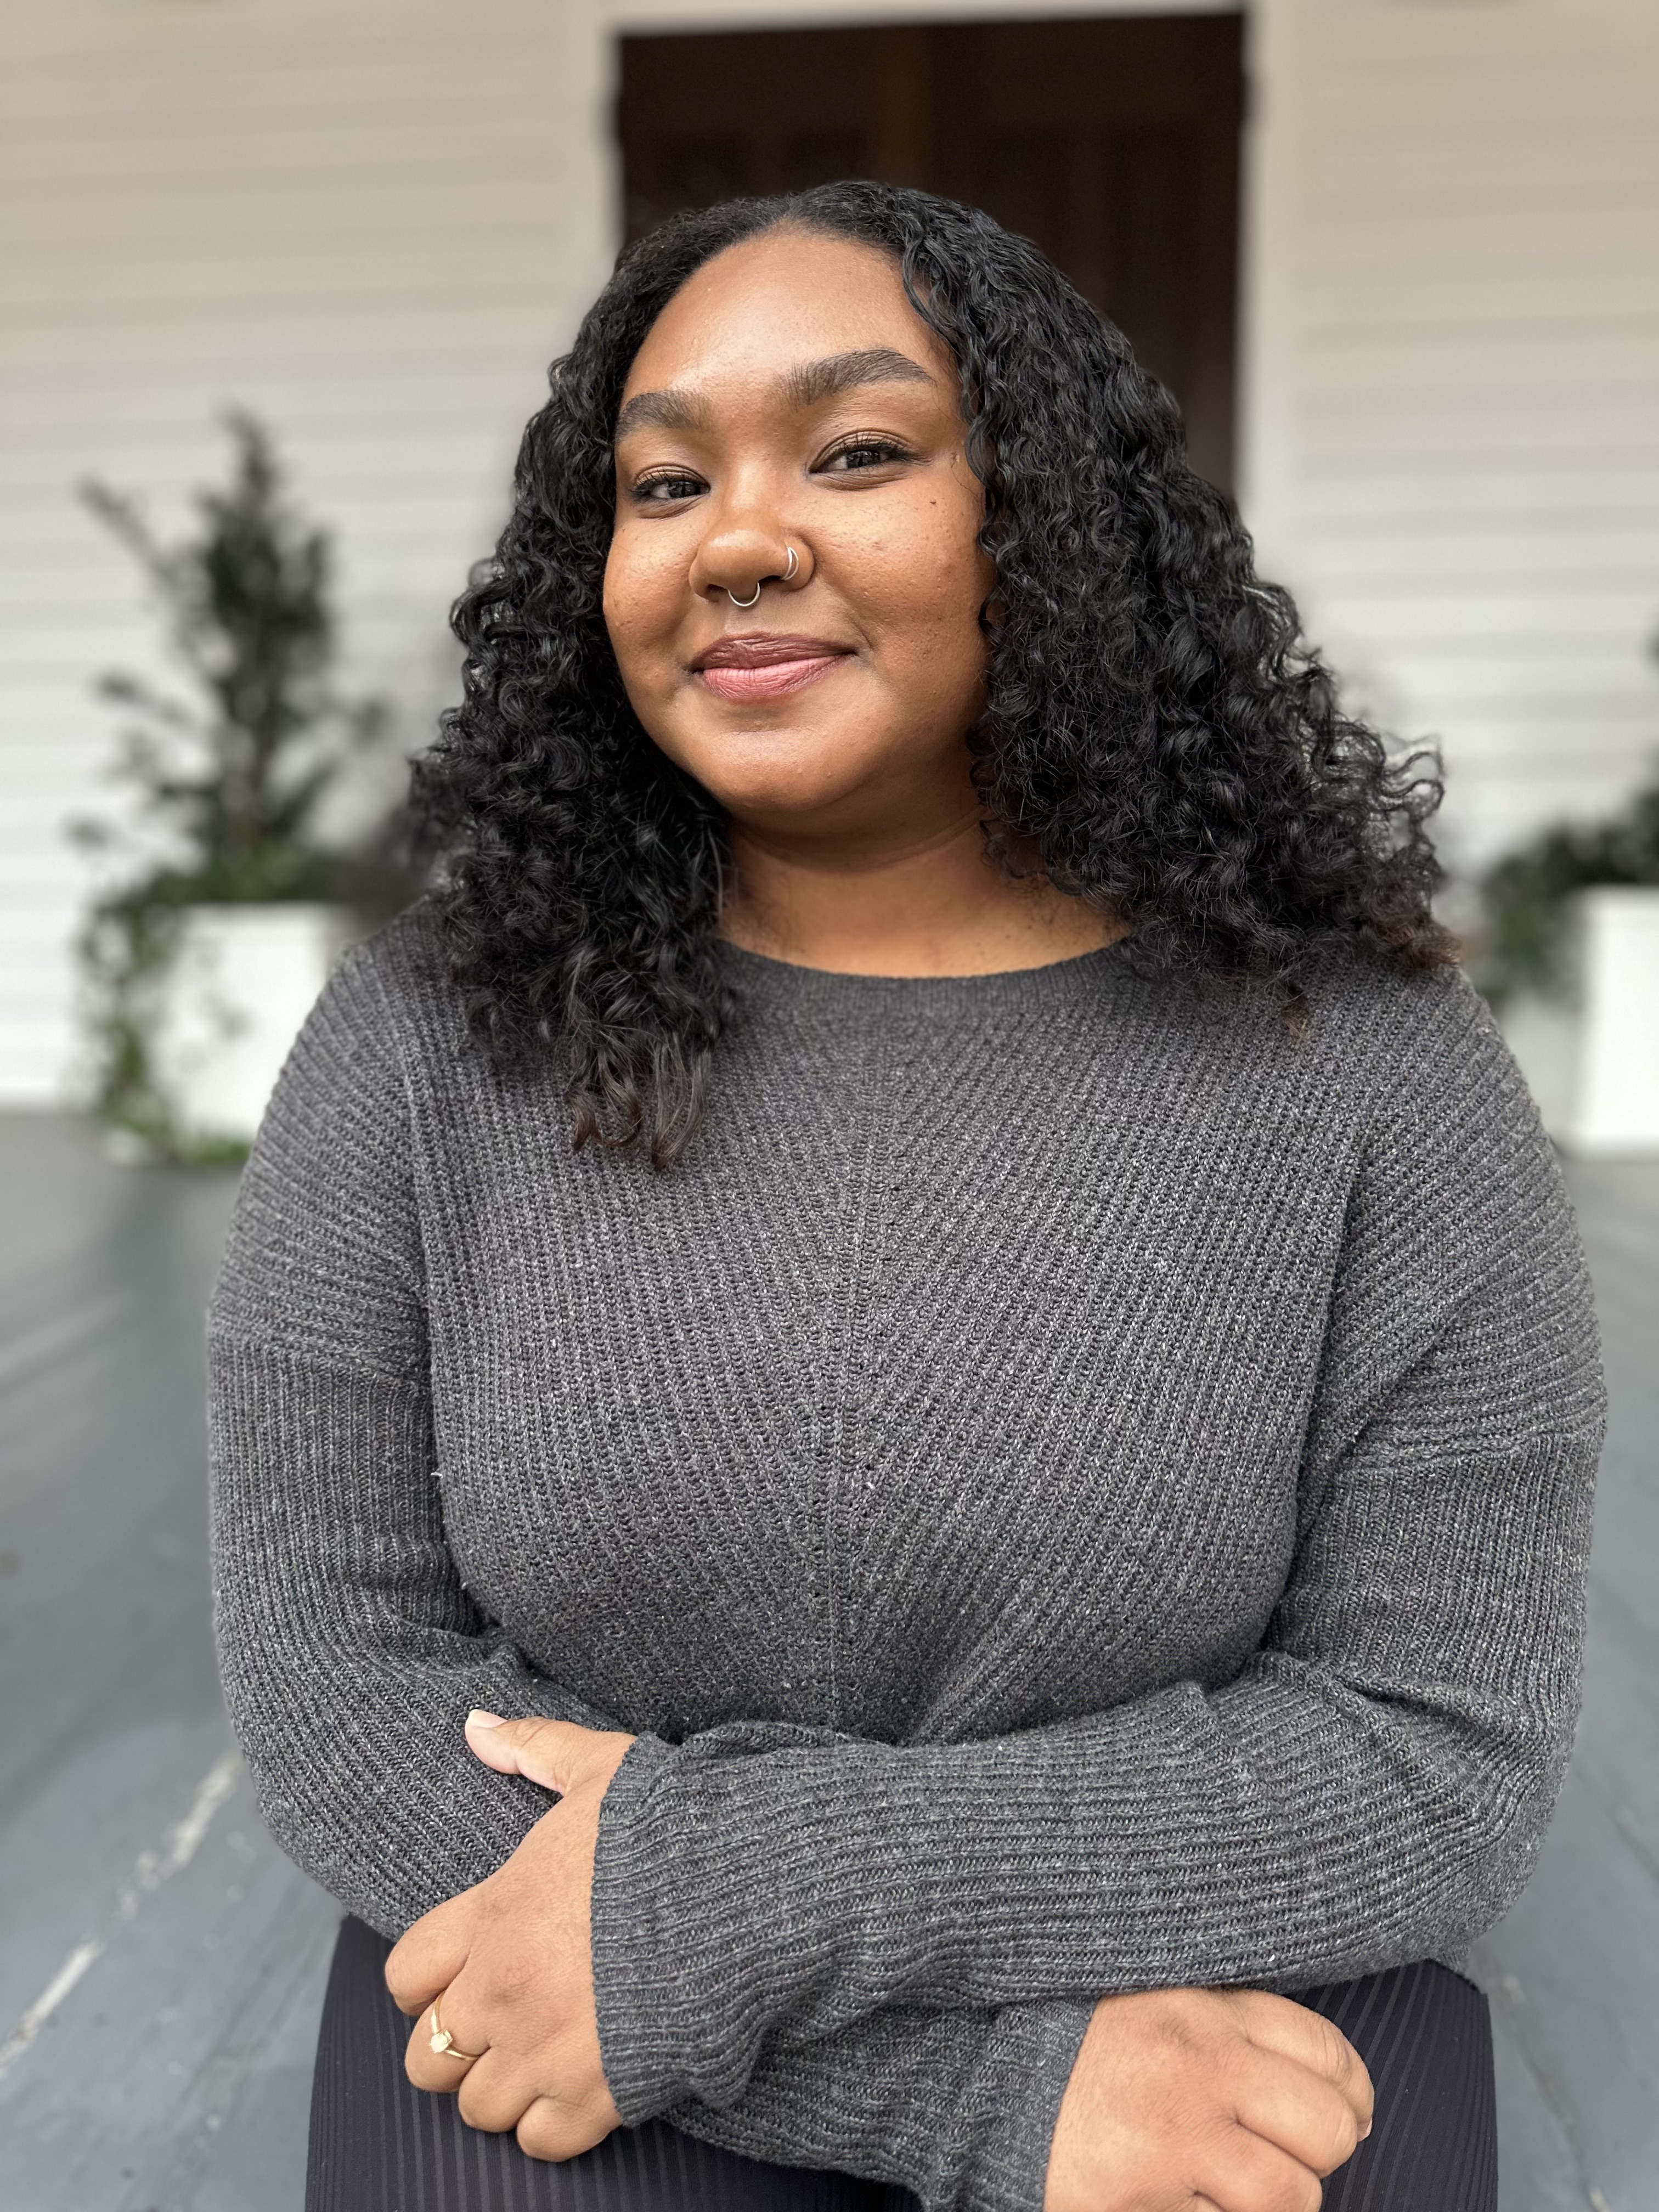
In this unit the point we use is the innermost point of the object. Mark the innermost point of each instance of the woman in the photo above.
(923, 1292)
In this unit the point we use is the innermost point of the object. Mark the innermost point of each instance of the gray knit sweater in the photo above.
(1075, 1491)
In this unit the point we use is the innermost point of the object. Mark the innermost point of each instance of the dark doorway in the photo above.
(1113, 143)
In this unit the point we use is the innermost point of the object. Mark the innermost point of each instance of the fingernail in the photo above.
(1365, 2132)
(478, 1719)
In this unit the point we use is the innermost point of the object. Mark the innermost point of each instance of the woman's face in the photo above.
(789, 396)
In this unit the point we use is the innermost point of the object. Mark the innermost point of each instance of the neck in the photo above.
(930, 904)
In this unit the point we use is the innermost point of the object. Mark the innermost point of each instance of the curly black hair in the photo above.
(1156, 730)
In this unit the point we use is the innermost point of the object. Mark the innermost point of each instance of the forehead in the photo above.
(760, 308)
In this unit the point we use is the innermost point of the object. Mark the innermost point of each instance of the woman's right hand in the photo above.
(1231, 2101)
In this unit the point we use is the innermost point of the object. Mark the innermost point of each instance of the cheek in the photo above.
(921, 580)
(642, 595)
(936, 541)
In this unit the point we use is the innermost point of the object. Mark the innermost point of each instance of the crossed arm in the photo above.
(375, 1790)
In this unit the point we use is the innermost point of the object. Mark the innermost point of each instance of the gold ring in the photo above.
(444, 2043)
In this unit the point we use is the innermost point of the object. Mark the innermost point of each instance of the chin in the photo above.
(782, 773)
(778, 799)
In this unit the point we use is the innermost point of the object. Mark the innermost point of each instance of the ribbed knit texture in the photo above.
(1073, 1490)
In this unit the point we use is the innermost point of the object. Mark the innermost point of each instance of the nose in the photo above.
(740, 556)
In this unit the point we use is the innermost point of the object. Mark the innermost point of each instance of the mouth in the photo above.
(765, 665)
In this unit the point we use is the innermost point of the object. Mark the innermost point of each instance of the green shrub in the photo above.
(230, 771)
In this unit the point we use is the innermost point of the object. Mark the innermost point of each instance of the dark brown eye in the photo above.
(672, 484)
(864, 453)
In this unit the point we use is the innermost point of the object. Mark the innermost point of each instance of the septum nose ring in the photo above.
(788, 577)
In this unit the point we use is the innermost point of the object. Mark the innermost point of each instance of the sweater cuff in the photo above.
(691, 1973)
(643, 2069)
(957, 2107)
(1027, 2062)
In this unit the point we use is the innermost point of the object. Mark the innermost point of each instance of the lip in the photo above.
(765, 665)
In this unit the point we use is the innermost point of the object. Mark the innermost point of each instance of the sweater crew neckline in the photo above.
(829, 988)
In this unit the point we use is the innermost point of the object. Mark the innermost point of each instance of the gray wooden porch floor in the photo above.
(161, 1964)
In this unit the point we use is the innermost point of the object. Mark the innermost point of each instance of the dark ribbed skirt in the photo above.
(380, 2145)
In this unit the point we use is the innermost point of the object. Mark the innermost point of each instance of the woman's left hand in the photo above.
(510, 1962)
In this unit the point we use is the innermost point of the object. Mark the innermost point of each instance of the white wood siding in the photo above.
(373, 222)
(1452, 448)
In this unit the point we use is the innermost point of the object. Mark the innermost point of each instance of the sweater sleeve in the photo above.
(1370, 1789)
(350, 1652)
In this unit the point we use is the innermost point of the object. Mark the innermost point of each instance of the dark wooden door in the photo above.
(1113, 142)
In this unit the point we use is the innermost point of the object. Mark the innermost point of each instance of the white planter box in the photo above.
(231, 1005)
(1592, 1062)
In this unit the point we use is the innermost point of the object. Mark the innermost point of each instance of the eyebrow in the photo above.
(818, 381)
(809, 386)
(662, 410)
